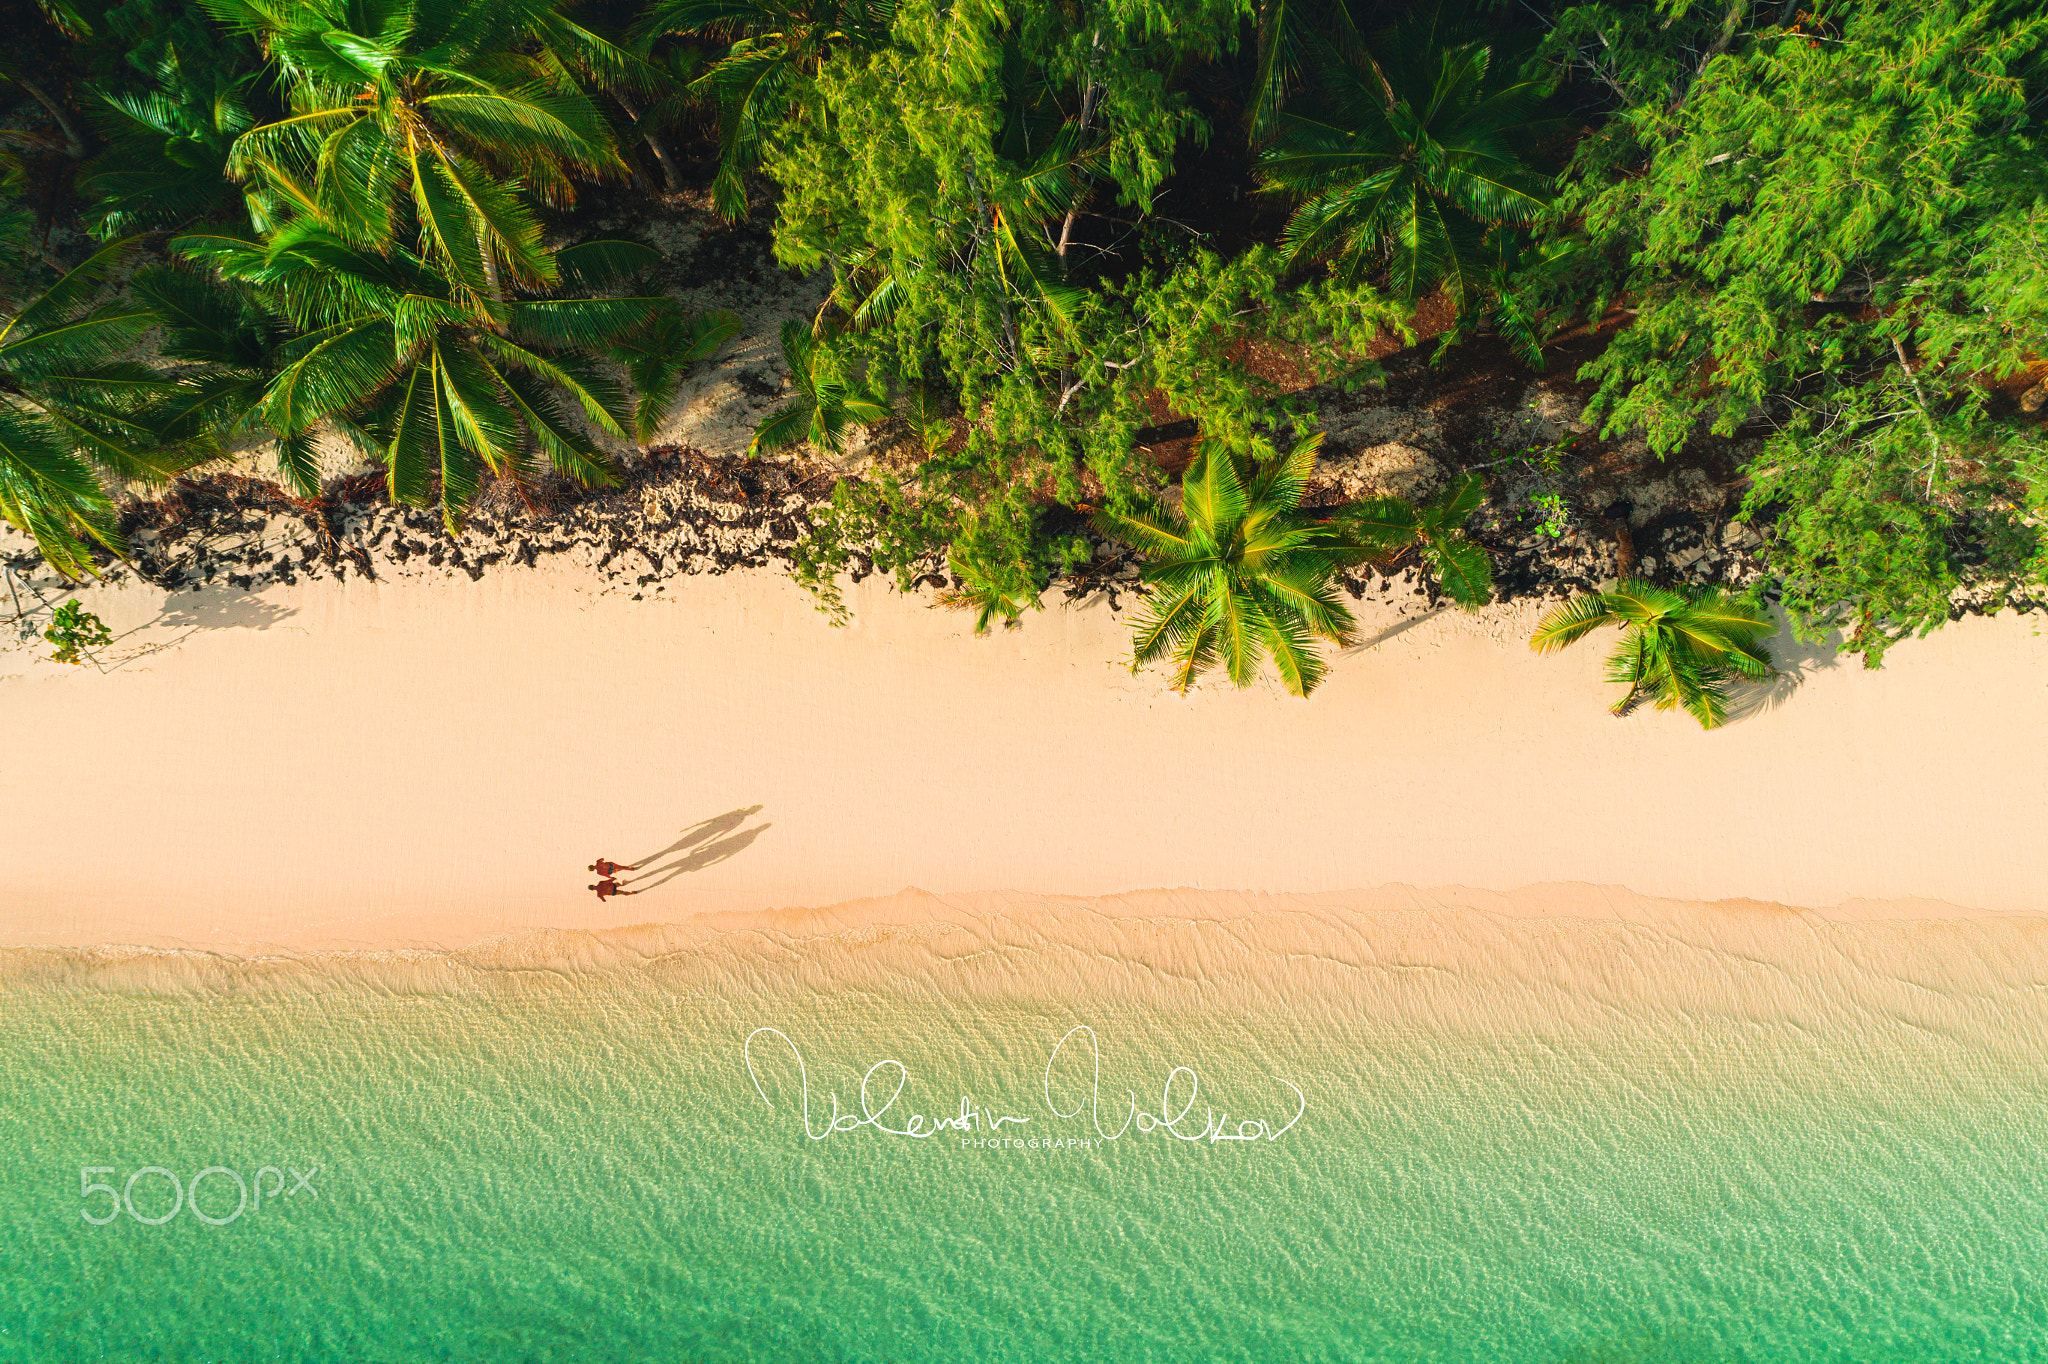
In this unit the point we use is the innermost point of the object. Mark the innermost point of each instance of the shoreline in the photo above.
(431, 762)
(1450, 959)
(679, 512)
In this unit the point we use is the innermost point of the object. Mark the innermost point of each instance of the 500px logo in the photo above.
(249, 1195)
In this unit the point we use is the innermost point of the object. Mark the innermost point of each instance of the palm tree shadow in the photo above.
(709, 855)
(1401, 627)
(702, 830)
(1797, 660)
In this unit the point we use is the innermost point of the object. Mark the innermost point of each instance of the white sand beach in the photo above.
(432, 762)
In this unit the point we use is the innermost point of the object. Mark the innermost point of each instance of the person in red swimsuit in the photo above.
(604, 868)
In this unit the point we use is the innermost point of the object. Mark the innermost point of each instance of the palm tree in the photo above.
(73, 408)
(426, 120)
(1414, 159)
(1287, 34)
(389, 352)
(1387, 525)
(825, 404)
(1239, 572)
(1682, 649)
(228, 348)
(990, 596)
(165, 163)
(659, 352)
(773, 46)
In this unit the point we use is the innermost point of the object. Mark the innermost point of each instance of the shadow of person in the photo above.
(709, 855)
(703, 829)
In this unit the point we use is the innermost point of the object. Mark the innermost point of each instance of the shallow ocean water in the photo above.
(576, 1164)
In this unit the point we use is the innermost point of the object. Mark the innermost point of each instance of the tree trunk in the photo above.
(1089, 99)
(1730, 22)
(1616, 519)
(1926, 418)
(80, 137)
(672, 178)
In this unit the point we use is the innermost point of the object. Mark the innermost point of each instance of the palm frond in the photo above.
(1463, 569)
(596, 264)
(1376, 527)
(1571, 622)
(787, 425)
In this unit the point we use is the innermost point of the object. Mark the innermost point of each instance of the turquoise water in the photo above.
(576, 1165)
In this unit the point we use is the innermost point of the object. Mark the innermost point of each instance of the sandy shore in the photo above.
(430, 763)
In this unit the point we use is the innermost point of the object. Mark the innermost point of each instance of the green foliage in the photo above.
(1062, 430)
(395, 357)
(1543, 465)
(165, 163)
(1856, 542)
(227, 349)
(75, 632)
(1291, 36)
(991, 596)
(73, 406)
(1681, 649)
(826, 403)
(1838, 226)
(773, 48)
(424, 124)
(1238, 573)
(659, 352)
(1414, 159)
(1388, 525)
(1867, 173)
(947, 179)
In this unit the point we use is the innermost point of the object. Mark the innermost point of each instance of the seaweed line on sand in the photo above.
(678, 511)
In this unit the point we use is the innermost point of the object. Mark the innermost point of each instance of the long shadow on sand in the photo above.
(702, 845)
(188, 614)
(1796, 661)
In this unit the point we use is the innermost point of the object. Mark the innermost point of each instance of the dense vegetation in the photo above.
(1821, 225)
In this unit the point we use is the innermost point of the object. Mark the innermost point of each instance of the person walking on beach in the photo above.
(605, 868)
(609, 887)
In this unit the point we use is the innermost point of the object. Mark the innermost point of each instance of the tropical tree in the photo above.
(826, 402)
(1683, 649)
(1239, 573)
(1838, 225)
(991, 599)
(226, 348)
(423, 124)
(660, 351)
(772, 48)
(394, 357)
(1387, 525)
(167, 149)
(73, 407)
(1413, 159)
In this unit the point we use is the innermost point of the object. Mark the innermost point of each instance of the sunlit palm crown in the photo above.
(448, 108)
(72, 403)
(435, 384)
(1684, 649)
(1407, 158)
(1238, 572)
